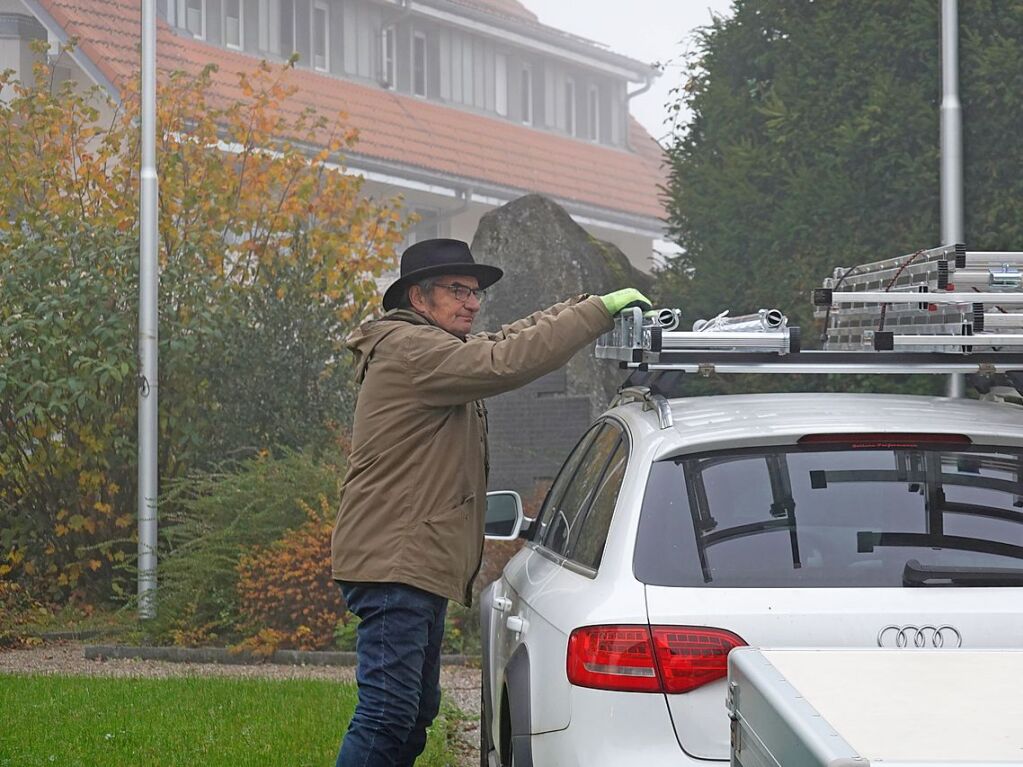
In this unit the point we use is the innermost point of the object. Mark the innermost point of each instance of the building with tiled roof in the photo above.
(460, 105)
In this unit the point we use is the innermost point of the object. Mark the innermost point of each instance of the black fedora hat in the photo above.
(432, 257)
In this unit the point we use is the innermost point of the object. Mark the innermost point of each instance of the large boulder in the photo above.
(546, 258)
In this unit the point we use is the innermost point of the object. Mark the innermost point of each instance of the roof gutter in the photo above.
(649, 78)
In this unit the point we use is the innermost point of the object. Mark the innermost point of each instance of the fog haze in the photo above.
(646, 30)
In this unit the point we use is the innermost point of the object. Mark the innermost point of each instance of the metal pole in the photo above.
(148, 322)
(951, 146)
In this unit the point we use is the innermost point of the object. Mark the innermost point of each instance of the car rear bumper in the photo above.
(614, 728)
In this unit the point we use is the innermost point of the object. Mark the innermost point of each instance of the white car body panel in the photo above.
(554, 608)
(579, 726)
(619, 728)
(819, 617)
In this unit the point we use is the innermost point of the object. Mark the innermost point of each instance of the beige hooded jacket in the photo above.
(414, 499)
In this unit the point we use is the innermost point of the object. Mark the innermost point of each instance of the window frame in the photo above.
(202, 19)
(287, 48)
(240, 45)
(571, 118)
(782, 518)
(526, 93)
(417, 37)
(538, 530)
(582, 448)
(315, 30)
(501, 84)
(593, 113)
(623, 444)
(389, 57)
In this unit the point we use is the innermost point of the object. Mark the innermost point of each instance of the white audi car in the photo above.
(678, 530)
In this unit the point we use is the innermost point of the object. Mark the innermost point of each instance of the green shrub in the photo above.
(213, 519)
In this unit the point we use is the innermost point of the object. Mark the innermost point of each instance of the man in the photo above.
(409, 533)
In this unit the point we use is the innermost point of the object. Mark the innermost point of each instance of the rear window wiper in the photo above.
(916, 574)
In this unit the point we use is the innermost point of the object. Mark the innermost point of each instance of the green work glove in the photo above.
(622, 299)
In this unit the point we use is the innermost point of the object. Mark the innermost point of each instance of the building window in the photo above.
(419, 64)
(269, 26)
(570, 107)
(593, 114)
(527, 94)
(427, 227)
(501, 84)
(388, 47)
(321, 36)
(287, 27)
(195, 17)
(233, 23)
(264, 24)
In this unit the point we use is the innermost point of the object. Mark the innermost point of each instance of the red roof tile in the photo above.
(392, 127)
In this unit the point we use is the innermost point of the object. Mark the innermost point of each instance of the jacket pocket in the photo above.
(445, 539)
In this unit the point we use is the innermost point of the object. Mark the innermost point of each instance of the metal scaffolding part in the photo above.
(877, 321)
(833, 297)
(937, 296)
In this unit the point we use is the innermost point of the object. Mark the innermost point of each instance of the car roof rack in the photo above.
(936, 311)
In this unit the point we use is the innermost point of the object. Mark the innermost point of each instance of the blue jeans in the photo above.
(398, 646)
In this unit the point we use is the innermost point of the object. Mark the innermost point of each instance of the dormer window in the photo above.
(195, 17)
(321, 39)
(501, 84)
(593, 114)
(233, 23)
(527, 94)
(388, 49)
(419, 64)
(287, 28)
(570, 107)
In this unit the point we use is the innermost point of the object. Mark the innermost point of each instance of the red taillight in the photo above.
(648, 659)
(882, 440)
(690, 657)
(613, 658)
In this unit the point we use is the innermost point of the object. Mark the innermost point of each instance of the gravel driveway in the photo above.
(461, 685)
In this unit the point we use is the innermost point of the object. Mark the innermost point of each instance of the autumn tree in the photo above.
(268, 255)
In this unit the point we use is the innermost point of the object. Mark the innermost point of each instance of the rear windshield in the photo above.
(821, 517)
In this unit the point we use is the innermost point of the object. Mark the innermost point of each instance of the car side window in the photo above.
(568, 510)
(561, 483)
(592, 532)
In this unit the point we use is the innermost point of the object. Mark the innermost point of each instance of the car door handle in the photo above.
(502, 604)
(516, 623)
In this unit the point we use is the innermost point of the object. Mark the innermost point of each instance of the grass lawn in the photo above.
(86, 721)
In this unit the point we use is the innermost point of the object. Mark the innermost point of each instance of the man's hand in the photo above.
(622, 299)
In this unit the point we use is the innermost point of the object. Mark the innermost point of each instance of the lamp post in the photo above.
(149, 281)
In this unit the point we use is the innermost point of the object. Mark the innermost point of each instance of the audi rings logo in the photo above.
(919, 636)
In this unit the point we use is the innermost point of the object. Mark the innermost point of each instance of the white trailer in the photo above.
(854, 708)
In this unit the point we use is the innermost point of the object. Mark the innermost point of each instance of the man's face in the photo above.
(443, 308)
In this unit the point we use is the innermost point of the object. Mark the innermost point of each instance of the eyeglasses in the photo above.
(462, 292)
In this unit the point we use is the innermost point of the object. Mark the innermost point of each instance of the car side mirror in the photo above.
(504, 516)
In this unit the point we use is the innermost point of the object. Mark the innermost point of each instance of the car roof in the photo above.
(751, 420)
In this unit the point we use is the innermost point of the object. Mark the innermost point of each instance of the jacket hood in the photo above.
(364, 339)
